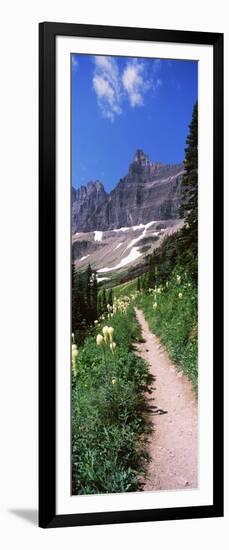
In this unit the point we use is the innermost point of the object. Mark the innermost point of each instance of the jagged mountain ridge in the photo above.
(149, 191)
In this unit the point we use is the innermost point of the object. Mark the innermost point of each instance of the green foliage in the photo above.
(108, 420)
(175, 321)
(84, 301)
(189, 194)
(125, 289)
(110, 297)
(104, 300)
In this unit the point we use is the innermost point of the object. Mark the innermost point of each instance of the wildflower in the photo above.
(167, 283)
(159, 290)
(73, 337)
(112, 346)
(155, 305)
(114, 380)
(180, 295)
(110, 332)
(105, 333)
(96, 322)
(178, 279)
(99, 340)
(74, 347)
(75, 354)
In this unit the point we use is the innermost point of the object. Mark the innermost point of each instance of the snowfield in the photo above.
(132, 256)
(98, 235)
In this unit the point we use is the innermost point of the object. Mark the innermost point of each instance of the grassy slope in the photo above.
(175, 322)
(125, 289)
(107, 418)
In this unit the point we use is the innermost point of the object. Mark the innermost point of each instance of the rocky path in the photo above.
(173, 445)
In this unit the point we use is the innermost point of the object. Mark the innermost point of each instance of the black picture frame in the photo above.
(47, 273)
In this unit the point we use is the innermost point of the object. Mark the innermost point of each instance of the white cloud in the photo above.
(106, 83)
(112, 86)
(135, 82)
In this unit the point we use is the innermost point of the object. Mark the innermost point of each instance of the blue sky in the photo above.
(120, 104)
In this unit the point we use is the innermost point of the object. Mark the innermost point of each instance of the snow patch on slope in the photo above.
(132, 256)
(118, 245)
(98, 235)
(134, 241)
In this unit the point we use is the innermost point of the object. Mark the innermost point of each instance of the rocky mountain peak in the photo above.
(149, 191)
(141, 158)
(95, 186)
(141, 170)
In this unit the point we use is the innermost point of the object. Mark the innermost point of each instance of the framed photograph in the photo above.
(131, 275)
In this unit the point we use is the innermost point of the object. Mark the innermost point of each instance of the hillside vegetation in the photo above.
(109, 420)
(108, 408)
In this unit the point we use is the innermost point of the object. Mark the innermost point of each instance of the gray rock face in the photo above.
(149, 191)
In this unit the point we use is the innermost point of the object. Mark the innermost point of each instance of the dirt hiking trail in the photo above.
(173, 444)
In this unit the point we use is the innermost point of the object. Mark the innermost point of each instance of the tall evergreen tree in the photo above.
(110, 297)
(74, 299)
(94, 296)
(104, 301)
(189, 185)
(100, 307)
(189, 193)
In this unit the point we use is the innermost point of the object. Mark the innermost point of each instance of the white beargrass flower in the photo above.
(96, 322)
(114, 380)
(110, 332)
(112, 346)
(99, 340)
(180, 295)
(178, 279)
(73, 337)
(74, 347)
(75, 353)
(155, 305)
(105, 333)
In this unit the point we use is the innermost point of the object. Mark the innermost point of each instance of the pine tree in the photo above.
(74, 302)
(100, 307)
(104, 301)
(110, 297)
(94, 296)
(189, 185)
(189, 196)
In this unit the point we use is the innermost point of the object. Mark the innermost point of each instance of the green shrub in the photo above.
(175, 321)
(108, 413)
